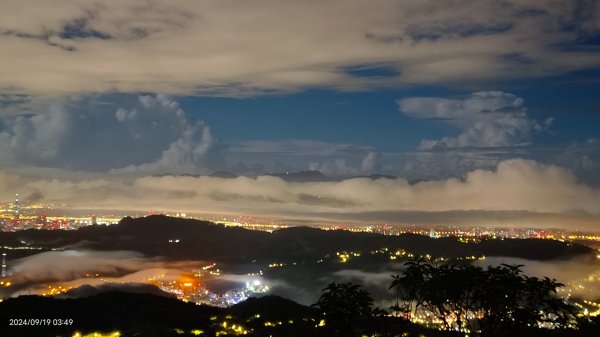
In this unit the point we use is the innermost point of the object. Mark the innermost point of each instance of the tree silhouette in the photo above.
(486, 302)
(346, 310)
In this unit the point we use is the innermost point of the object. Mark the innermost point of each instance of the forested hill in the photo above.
(156, 236)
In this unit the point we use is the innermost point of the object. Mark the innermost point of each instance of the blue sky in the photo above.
(418, 90)
(373, 118)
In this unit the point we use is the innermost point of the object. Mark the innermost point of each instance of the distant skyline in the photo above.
(484, 111)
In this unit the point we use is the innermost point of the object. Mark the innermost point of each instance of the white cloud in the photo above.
(239, 49)
(69, 264)
(486, 119)
(153, 135)
(333, 168)
(369, 162)
(341, 168)
(124, 115)
(461, 110)
(185, 154)
(515, 192)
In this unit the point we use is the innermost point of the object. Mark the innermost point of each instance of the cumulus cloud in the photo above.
(341, 168)
(152, 134)
(486, 119)
(369, 162)
(444, 163)
(514, 190)
(34, 137)
(582, 157)
(239, 49)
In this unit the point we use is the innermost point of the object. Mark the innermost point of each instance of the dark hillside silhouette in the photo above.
(206, 240)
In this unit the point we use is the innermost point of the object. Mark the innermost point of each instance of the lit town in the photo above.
(202, 282)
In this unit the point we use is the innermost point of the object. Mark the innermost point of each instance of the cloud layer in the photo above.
(240, 49)
(73, 268)
(515, 192)
(72, 264)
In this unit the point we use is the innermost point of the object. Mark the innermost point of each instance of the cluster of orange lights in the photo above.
(186, 281)
(56, 290)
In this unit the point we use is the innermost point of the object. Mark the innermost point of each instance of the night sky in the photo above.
(486, 112)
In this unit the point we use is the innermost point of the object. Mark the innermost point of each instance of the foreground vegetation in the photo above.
(459, 300)
(489, 302)
(431, 300)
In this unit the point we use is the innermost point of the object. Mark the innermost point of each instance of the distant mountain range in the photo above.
(201, 240)
(302, 176)
(299, 176)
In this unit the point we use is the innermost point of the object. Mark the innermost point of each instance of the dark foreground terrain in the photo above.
(150, 315)
(309, 255)
(126, 314)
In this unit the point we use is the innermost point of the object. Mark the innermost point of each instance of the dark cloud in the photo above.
(33, 197)
(79, 29)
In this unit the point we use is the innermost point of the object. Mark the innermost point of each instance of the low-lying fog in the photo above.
(302, 283)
